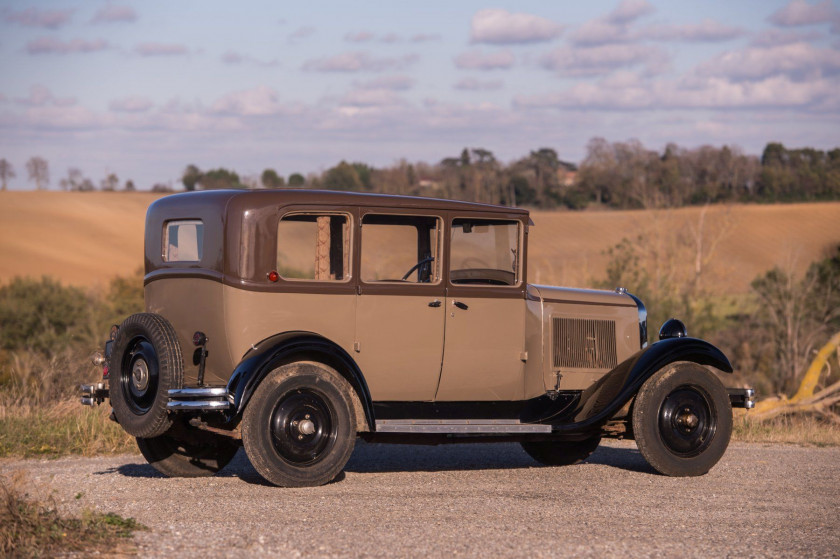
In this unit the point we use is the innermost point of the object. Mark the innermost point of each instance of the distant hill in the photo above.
(87, 238)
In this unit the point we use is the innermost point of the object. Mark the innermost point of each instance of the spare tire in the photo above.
(145, 364)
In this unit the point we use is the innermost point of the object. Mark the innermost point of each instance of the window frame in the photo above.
(200, 240)
(468, 289)
(438, 270)
(349, 275)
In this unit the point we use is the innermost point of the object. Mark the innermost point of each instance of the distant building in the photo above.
(567, 173)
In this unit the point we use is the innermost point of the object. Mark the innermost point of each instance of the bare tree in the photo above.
(6, 172)
(39, 171)
(110, 183)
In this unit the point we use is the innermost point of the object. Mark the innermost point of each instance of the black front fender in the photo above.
(286, 347)
(606, 397)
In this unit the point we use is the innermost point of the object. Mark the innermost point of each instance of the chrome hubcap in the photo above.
(306, 427)
(687, 420)
(140, 375)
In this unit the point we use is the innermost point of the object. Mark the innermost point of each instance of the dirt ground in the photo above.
(473, 501)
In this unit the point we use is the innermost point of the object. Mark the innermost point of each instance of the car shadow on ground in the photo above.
(393, 458)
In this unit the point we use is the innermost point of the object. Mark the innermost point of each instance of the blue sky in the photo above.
(142, 89)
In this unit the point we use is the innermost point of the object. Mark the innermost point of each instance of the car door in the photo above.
(400, 305)
(483, 356)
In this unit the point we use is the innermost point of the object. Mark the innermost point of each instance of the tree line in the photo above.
(622, 175)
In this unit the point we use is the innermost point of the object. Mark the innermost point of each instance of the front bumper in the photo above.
(742, 397)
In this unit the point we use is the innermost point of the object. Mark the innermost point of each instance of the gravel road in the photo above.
(473, 501)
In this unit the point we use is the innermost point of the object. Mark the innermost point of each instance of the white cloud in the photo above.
(392, 83)
(708, 31)
(115, 14)
(161, 49)
(133, 104)
(425, 37)
(233, 58)
(371, 98)
(358, 62)
(49, 45)
(259, 101)
(302, 33)
(629, 10)
(40, 96)
(800, 12)
(628, 92)
(600, 32)
(500, 27)
(796, 60)
(592, 61)
(477, 60)
(472, 84)
(777, 37)
(359, 37)
(33, 17)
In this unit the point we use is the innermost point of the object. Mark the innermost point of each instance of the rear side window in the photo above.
(183, 241)
(314, 247)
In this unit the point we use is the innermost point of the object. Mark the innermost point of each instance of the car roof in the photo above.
(292, 196)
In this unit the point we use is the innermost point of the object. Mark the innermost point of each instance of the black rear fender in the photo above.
(284, 348)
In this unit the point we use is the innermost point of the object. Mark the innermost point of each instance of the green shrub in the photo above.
(42, 315)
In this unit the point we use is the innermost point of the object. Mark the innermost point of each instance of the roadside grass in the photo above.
(30, 527)
(59, 429)
(791, 429)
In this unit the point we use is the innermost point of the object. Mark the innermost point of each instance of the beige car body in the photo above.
(507, 344)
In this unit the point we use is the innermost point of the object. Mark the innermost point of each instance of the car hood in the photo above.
(551, 294)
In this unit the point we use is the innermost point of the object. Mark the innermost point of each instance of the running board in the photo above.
(499, 426)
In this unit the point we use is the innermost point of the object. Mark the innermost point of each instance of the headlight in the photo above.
(673, 328)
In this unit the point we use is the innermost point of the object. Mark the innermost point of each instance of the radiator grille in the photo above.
(584, 343)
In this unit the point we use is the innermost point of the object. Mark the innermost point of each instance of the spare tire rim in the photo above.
(687, 421)
(303, 428)
(140, 373)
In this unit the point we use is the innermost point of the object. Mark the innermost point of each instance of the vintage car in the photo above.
(292, 322)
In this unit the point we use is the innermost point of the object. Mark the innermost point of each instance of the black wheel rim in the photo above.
(687, 421)
(140, 375)
(303, 428)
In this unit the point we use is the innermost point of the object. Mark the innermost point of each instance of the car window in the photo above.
(183, 241)
(400, 248)
(484, 252)
(314, 247)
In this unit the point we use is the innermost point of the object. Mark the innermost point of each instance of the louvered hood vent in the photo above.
(583, 343)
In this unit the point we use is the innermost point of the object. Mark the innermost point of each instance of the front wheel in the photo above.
(682, 420)
(299, 428)
(561, 453)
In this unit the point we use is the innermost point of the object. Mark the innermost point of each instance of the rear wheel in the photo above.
(198, 456)
(299, 428)
(682, 420)
(561, 453)
(145, 364)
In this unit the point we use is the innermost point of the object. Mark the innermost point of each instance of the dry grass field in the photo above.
(86, 238)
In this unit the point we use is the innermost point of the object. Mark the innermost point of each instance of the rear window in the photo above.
(183, 241)
(314, 247)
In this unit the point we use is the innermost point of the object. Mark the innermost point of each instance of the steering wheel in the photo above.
(416, 266)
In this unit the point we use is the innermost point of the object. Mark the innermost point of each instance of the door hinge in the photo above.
(523, 356)
(357, 347)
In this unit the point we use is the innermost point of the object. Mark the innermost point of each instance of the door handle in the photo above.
(435, 304)
(460, 305)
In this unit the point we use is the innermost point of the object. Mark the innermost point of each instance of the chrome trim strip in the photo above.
(198, 405)
(500, 426)
(198, 392)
